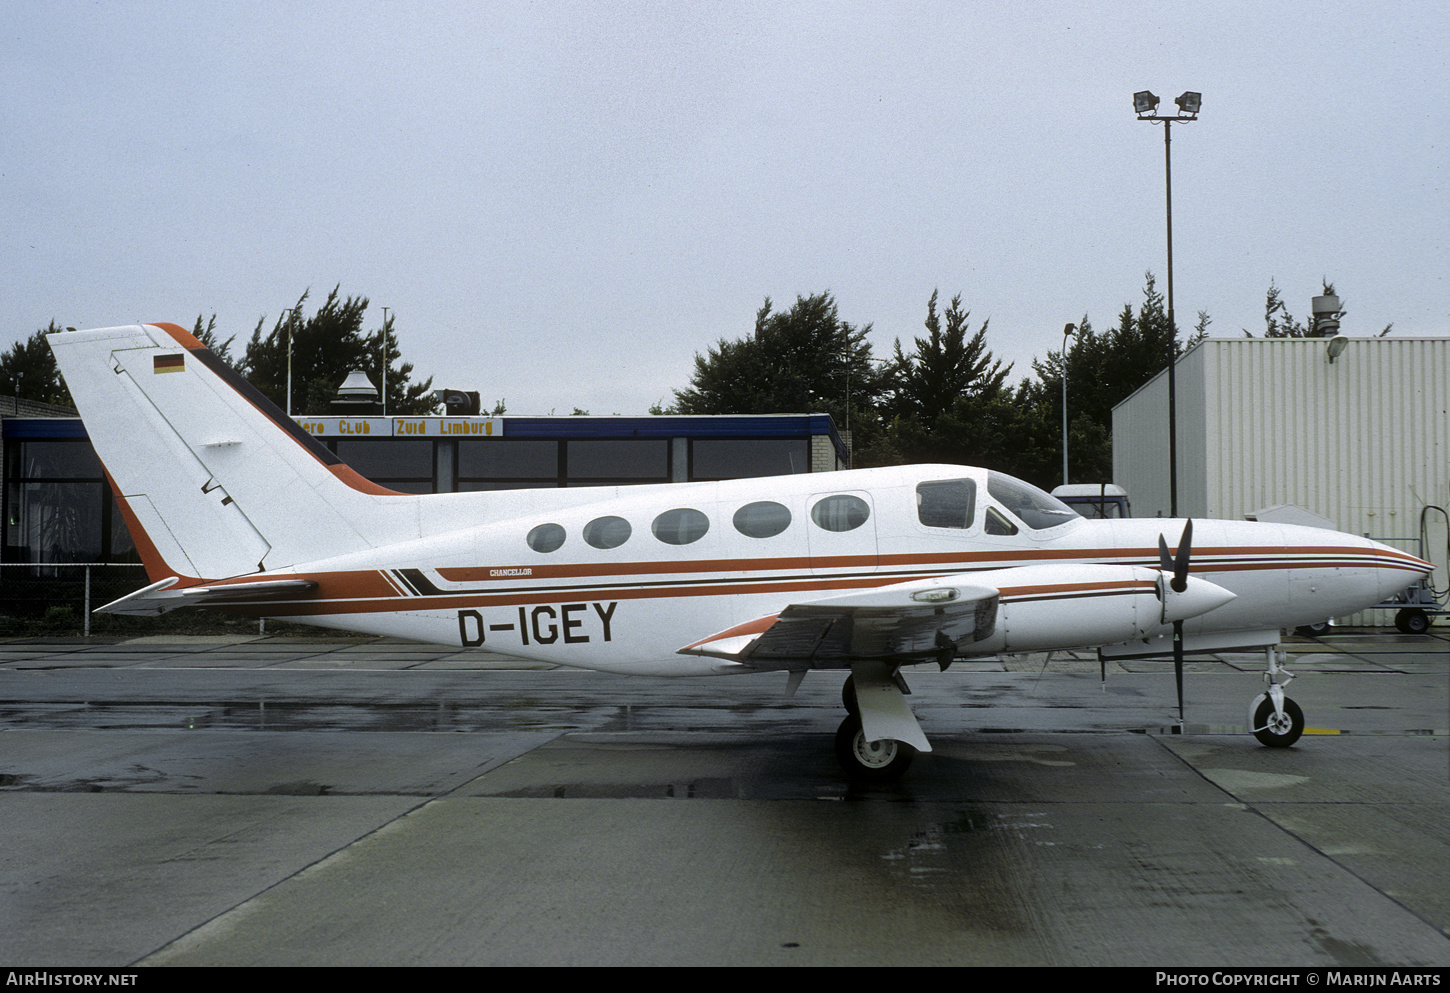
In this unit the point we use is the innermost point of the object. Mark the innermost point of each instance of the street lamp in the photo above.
(1067, 331)
(288, 312)
(385, 362)
(1144, 105)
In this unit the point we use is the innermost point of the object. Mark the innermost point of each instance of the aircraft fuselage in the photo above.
(632, 606)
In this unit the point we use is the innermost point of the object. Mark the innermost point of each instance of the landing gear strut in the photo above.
(879, 737)
(1274, 719)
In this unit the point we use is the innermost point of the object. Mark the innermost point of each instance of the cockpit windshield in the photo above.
(1031, 506)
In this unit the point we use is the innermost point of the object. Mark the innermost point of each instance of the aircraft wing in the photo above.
(919, 621)
(158, 598)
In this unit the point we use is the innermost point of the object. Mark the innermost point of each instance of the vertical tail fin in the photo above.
(218, 481)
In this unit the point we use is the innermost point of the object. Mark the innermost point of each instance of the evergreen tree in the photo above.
(28, 370)
(325, 348)
(207, 336)
(805, 360)
(941, 397)
(1279, 323)
(945, 367)
(1102, 371)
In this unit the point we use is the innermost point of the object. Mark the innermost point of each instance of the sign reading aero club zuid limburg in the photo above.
(402, 427)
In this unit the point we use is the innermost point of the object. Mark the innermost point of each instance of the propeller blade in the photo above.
(1180, 561)
(1177, 566)
(1165, 561)
(1178, 664)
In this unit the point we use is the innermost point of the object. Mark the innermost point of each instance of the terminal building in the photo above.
(58, 507)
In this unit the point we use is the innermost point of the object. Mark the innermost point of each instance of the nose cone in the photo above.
(1199, 596)
(1336, 574)
(1395, 570)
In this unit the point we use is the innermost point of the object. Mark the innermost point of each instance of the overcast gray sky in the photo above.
(563, 202)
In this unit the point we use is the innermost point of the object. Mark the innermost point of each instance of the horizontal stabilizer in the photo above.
(158, 598)
(919, 621)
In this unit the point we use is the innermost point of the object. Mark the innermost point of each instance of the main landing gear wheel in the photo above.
(874, 762)
(848, 697)
(1278, 731)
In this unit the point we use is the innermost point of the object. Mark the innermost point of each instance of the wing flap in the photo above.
(919, 621)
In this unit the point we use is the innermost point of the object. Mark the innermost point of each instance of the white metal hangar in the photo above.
(1358, 433)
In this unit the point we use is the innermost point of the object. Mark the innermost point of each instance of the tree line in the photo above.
(325, 347)
(943, 398)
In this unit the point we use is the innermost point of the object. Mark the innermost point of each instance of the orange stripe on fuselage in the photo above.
(373, 590)
(1266, 558)
(377, 595)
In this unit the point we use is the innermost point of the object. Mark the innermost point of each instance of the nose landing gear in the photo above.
(1274, 719)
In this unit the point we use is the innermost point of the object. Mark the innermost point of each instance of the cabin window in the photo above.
(764, 519)
(607, 532)
(546, 537)
(946, 503)
(680, 526)
(842, 512)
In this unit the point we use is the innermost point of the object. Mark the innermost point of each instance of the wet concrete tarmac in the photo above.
(286, 801)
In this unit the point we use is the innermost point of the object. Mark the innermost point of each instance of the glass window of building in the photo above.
(508, 459)
(402, 464)
(737, 458)
(635, 459)
(57, 505)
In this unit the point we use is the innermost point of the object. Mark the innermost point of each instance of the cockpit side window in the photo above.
(1031, 506)
(997, 522)
(946, 503)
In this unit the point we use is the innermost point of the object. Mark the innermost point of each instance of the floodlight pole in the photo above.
(385, 361)
(1066, 333)
(1188, 105)
(288, 312)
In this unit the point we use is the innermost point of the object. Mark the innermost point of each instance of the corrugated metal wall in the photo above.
(1364, 441)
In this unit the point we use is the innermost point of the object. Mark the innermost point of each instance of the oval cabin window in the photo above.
(607, 532)
(546, 538)
(841, 512)
(764, 519)
(680, 526)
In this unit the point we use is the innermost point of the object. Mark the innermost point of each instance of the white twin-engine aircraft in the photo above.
(234, 506)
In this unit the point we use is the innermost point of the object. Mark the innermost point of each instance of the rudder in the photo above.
(220, 481)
